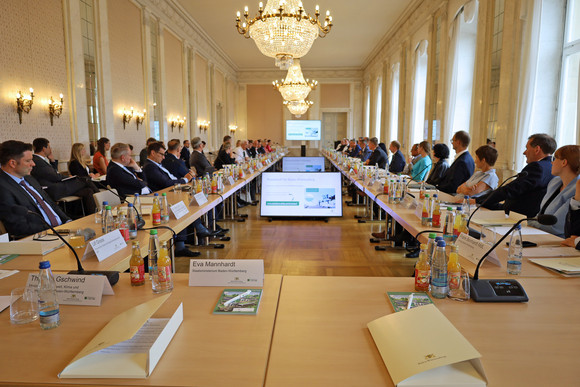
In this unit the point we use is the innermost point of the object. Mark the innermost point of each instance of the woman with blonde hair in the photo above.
(561, 189)
(77, 165)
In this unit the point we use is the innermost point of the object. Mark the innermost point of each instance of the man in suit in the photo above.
(198, 159)
(365, 152)
(21, 189)
(354, 149)
(185, 153)
(398, 160)
(57, 185)
(172, 161)
(143, 153)
(157, 176)
(123, 173)
(251, 148)
(524, 195)
(378, 156)
(463, 165)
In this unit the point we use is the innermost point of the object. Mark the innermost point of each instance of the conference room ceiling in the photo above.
(358, 28)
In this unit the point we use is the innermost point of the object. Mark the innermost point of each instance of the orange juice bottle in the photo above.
(137, 266)
(453, 271)
(156, 212)
(422, 271)
(164, 268)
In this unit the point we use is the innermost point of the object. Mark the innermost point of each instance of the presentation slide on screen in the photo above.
(303, 164)
(303, 130)
(297, 194)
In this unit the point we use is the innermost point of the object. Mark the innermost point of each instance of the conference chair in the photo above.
(108, 196)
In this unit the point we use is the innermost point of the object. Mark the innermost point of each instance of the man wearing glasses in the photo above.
(463, 165)
(156, 175)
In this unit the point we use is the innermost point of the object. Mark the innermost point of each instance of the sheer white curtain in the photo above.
(419, 91)
(530, 12)
(379, 108)
(461, 64)
(394, 113)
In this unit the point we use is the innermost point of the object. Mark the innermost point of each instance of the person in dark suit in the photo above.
(77, 165)
(172, 162)
(21, 189)
(57, 185)
(224, 156)
(251, 148)
(440, 166)
(524, 194)
(397, 160)
(378, 156)
(463, 166)
(185, 153)
(143, 153)
(572, 227)
(365, 152)
(156, 175)
(354, 148)
(198, 160)
(260, 148)
(123, 173)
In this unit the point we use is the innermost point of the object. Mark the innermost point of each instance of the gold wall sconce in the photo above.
(55, 108)
(233, 128)
(127, 115)
(176, 121)
(203, 125)
(139, 117)
(24, 103)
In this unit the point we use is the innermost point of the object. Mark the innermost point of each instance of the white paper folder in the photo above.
(420, 347)
(129, 346)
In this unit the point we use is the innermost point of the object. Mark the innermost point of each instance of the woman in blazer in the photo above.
(440, 166)
(561, 189)
(77, 165)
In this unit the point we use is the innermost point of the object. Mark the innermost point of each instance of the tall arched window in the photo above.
(461, 65)
(394, 111)
(378, 108)
(418, 127)
(367, 111)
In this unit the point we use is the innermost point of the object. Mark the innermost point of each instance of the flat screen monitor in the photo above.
(301, 194)
(303, 164)
(303, 130)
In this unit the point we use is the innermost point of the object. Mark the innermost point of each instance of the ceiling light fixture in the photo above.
(282, 30)
(295, 87)
(298, 107)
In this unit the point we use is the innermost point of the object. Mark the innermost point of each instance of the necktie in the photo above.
(42, 204)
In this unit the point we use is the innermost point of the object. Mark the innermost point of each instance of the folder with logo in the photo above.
(129, 346)
(420, 347)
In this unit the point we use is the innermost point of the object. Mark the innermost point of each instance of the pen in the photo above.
(247, 292)
(410, 301)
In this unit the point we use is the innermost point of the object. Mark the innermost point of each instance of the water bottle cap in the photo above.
(156, 194)
(153, 232)
(518, 227)
(426, 195)
(449, 209)
(136, 195)
(440, 243)
(44, 265)
(459, 208)
(439, 238)
(105, 203)
(130, 205)
(164, 194)
(108, 207)
(466, 197)
(432, 235)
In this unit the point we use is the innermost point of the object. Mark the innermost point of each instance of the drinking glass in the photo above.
(76, 239)
(487, 235)
(461, 293)
(23, 305)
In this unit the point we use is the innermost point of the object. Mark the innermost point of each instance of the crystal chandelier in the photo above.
(283, 30)
(298, 107)
(295, 87)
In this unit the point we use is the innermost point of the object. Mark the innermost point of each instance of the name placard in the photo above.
(199, 199)
(105, 246)
(179, 209)
(226, 272)
(473, 249)
(230, 181)
(72, 289)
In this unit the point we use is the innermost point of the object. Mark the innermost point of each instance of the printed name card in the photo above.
(199, 199)
(230, 181)
(78, 289)
(179, 209)
(473, 249)
(226, 272)
(105, 246)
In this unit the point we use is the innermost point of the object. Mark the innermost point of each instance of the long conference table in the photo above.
(309, 331)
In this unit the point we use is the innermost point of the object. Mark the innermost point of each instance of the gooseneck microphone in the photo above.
(503, 290)
(112, 276)
(521, 174)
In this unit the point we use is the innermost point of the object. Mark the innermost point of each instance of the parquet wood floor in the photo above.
(306, 247)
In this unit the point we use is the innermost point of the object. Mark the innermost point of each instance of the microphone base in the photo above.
(140, 223)
(497, 290)
(112, 276)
